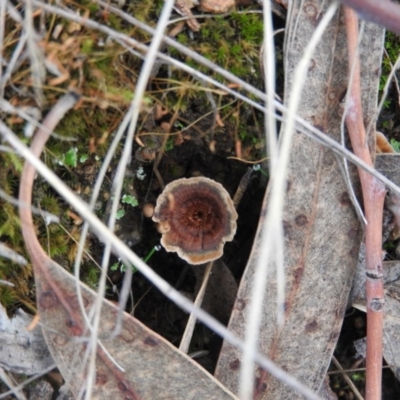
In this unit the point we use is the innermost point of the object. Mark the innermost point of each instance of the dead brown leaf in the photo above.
(153, 367)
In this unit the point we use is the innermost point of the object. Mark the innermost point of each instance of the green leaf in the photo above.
(127, 199)
(70, 157)
(120, 213)
(396, 145)
(115, 266)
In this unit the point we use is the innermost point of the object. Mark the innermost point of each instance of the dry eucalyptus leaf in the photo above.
(22, 351)
(322, 233)
(155, 369)
(325, 391)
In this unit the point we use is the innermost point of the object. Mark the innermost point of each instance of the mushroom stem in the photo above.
(188, 333)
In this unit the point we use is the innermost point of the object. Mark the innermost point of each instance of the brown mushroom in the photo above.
(197, 217)
(148, 210)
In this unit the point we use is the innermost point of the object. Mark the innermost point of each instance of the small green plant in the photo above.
(121, 266)
(396, 145)
(128, 199)
(358, 376)
(170, 144)
(257, 167)
(120, 214)
(70, 157)
(83, 158)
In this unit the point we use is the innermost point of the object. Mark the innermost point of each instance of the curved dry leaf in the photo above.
(155, 369)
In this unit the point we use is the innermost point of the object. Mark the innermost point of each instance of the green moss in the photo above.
(115, 22)
(51, 204)
(9, 223)
(57, 241)
(7, 296)
(176, 171)
(87, 46)
(93, 8)
(90, 275)
(14, 160)
(231, 41)
(125, 93)
(182, 38)
(392, 47)
(249, 26)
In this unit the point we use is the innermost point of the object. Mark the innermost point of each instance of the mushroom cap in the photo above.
(197, 217)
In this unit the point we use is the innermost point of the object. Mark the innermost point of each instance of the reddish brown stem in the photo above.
(382, 12)
(41, 262)
(374, 196)
(39, 258)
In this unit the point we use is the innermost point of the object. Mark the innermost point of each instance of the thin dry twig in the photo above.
(374, 196)
(347, 379)
(14, 391)
(8, 381)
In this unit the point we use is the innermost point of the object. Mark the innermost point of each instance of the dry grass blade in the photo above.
(118, 183)
(348, 380)
(9, 382)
